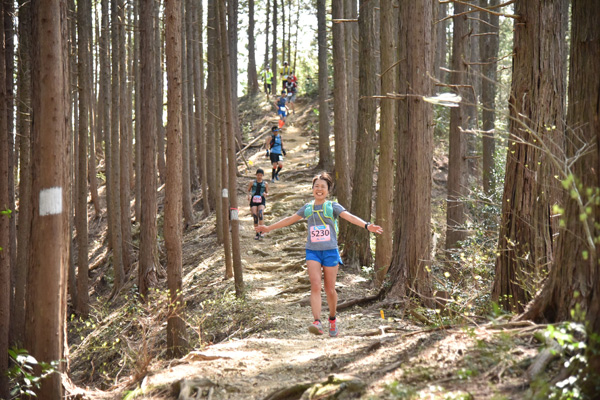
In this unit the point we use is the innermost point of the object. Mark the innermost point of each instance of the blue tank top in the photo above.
(276, 148)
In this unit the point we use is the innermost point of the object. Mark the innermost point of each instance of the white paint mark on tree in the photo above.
(225, 193)
(51, 201)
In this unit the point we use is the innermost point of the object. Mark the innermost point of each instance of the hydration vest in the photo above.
(327, 212)
(262, 188)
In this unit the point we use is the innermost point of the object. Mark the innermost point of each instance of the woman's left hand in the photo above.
(375, 229)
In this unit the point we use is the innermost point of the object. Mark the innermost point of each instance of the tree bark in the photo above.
(358, 249)
(24, 130)
(252, 76)
(46, 297)
(137, 78)
(267, 27)
(176, 341)
(573, 282)
(115, 164)
(352, 83)
(158, 59)
(441, 48)
(84, 23)
(232, 164)
(489, 55)
(105, 109)
(148, 247)
(536, 140)
(409, 271)
(387, 154)
(126, 142)
(457, 161)
(189, 79)
(274, 50)
(340, 111)
(325, 161)
(5, 213)
(187, 123)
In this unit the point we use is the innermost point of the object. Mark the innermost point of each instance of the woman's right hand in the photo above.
(261, 228)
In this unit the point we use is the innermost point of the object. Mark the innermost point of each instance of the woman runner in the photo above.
(322, 253)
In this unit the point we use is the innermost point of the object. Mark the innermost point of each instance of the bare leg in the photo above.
(254, 210)
(332, 297)
(314, 276)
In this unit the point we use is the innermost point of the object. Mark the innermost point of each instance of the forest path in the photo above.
(283, 352)
(271, 349)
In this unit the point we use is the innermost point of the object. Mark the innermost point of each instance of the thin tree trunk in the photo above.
(387, 154)
(412, 209)
(105, 109)
(232, 164)
(340, 111)
(283, 42)
(73, 149)
(352, 61)
(536, 109)
(84, 19)
(5, 268)
(267, 27)
(198, 48)
(441, 47)
(188, 214)
(137, 82)
(46, 297)
(148, 230)
(158, 43)
(189, 79)
(24, 130)
(325, 161)
(252, 76)
(221, 68)
(125, 143)
(457, 161)
(115, 167)
(274, 50)
(176, 341)
(489, 55)
(358, 249)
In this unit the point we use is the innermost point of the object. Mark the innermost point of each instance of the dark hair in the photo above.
(325, 177)
(275, 128)
(260, 171)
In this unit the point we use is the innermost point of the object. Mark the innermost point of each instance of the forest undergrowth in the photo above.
(258, 347)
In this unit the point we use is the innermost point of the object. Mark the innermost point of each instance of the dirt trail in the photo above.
(281, 352)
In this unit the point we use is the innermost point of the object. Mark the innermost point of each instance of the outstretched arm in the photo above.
(279, 224)
(353, 219)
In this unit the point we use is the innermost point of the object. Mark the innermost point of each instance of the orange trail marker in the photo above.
(382, 315)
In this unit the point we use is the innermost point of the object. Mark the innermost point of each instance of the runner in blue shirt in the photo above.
(275, 145)
(322, 253)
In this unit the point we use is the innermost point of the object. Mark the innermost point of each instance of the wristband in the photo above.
(367, 225)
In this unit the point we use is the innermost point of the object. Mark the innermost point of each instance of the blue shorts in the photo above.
(281, 113)
(327, 258)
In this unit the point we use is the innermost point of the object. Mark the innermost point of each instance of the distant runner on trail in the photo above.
(282, 108)
(275, 145)
(258, 190)
(292, 89)
(283, 73)
(322, 253)
(267, 77)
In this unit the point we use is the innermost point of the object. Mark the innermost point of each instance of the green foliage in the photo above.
(24, 378)
(7, 212)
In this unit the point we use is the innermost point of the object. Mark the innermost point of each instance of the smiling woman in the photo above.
(322, 253)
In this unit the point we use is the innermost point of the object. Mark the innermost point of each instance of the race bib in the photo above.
(257, 199)
(282, 108)
(320, 233)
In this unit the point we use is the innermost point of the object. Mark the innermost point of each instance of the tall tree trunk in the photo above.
(252, 76)
(148, 230)
(441, 47)
(573, 281)
(24, 130)
(46, 295)
(188, 214)
(358, 249)
(9, 32)
(84, 23)
(115, 165)
(233, 18)
(297, 24)
(73, 141)
(283, 42)
(412, 209)
(126, 142)
(222, 95)
(536, 106)
(274, 50)
(176, 341)
(158, 59)
(457, 161)
(325, 161)
(387, 154)
(137, 79)
(340, 110)
(352, 62)
(267, 27)
(95, 125)
(489, 56)
(105, 108)
(5, 210)
(198, 49)
(232, 164)
(193, 129)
